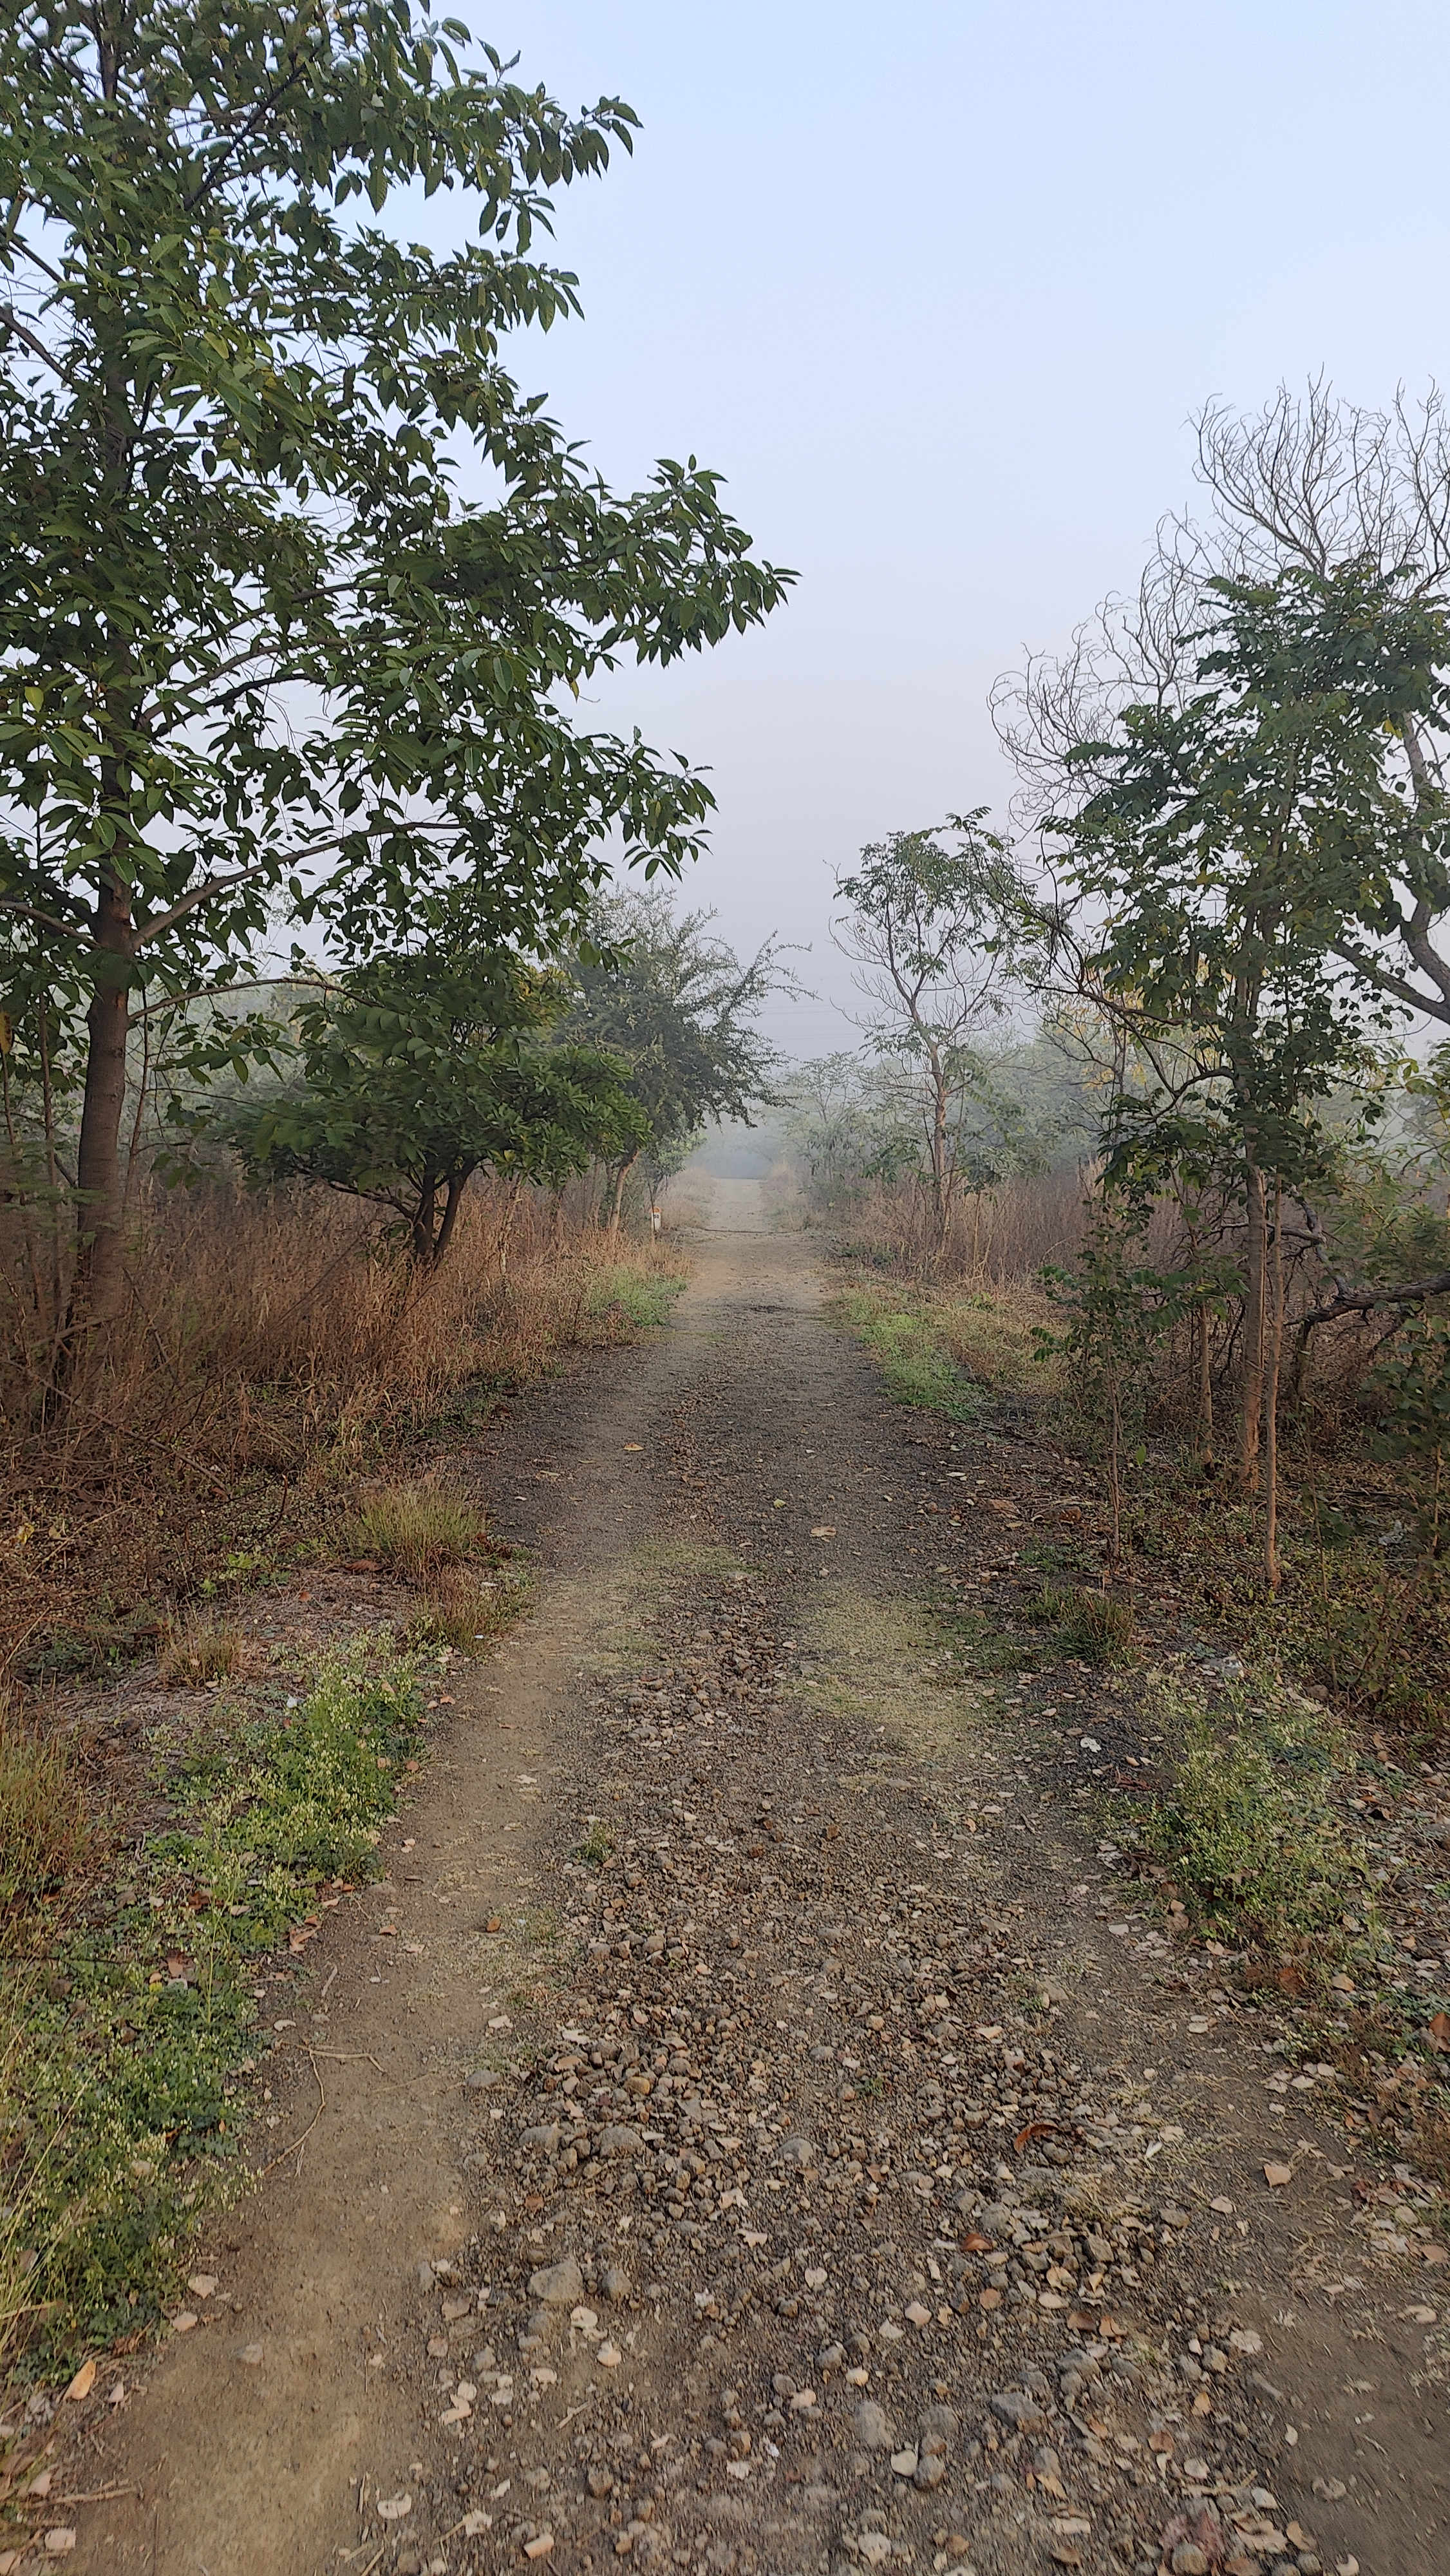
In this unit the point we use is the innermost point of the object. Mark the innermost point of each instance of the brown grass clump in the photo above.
(199, 1651)
(996, 1237)
(417, 1531)
(466, 1609)
(42, 1812)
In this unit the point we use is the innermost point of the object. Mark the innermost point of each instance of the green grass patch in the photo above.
(126, 2034)
(1248, 1830)
(636, 1299)
(903, 1335)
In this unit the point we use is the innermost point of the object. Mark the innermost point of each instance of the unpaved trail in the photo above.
(819, 2167)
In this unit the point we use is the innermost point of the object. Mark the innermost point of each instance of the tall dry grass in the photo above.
(270, 1351)
(995, 1238)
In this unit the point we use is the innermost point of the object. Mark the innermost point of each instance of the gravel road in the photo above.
(750, 2127)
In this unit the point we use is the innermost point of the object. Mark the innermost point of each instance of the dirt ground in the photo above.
(748, 2128)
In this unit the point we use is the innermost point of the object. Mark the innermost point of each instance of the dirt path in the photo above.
(745, 2129)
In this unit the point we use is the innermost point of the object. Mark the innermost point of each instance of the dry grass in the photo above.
(199, 1650)
(996, 1337)
(466, 1609)
(416, 1530)
(271, 1355)
(999, 1237)
(42, 1813)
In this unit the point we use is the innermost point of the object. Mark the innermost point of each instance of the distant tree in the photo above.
(676, 1005)
(415, 1072)
(936, 923)
(256, 653)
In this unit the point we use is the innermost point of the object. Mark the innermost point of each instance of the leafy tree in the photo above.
(1213, 855)
(1340, 515)
(418, 1071)
(676, 1004)
(257, 649)
(936, 924)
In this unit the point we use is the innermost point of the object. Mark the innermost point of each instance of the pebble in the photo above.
(873, 2431)
(558, 2285)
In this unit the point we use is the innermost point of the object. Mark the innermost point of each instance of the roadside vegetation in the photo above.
(134, 1970)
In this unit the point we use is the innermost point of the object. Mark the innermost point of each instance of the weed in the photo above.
(464, 1609)
(1097, 1627)
(417, 1530)
(596, 1846)
(199, 1652)
(1247, 1829)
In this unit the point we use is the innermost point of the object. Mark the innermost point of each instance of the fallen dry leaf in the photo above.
(83, 2382)
(1277, 2175)
(1440, 2030)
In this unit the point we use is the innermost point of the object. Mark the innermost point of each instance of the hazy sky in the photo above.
(938, 288)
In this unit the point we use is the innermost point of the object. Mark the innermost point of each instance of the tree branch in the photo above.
(1361, 1301)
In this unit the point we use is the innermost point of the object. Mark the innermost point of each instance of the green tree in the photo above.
(1227, 836)
(416, 1072)
(258, 648)
(937, 926)
(658, 991)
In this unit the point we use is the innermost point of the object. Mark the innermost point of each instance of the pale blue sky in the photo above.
(938, 288)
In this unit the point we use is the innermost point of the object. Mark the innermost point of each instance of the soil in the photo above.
(749, 2127)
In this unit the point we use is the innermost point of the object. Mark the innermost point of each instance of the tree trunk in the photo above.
(510, 1208)
(940, 1192)
(1251, 1382)
(453, 1200)
(97, 1283)
(424, 1215)
(616, 1209)
(1271, 1402)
